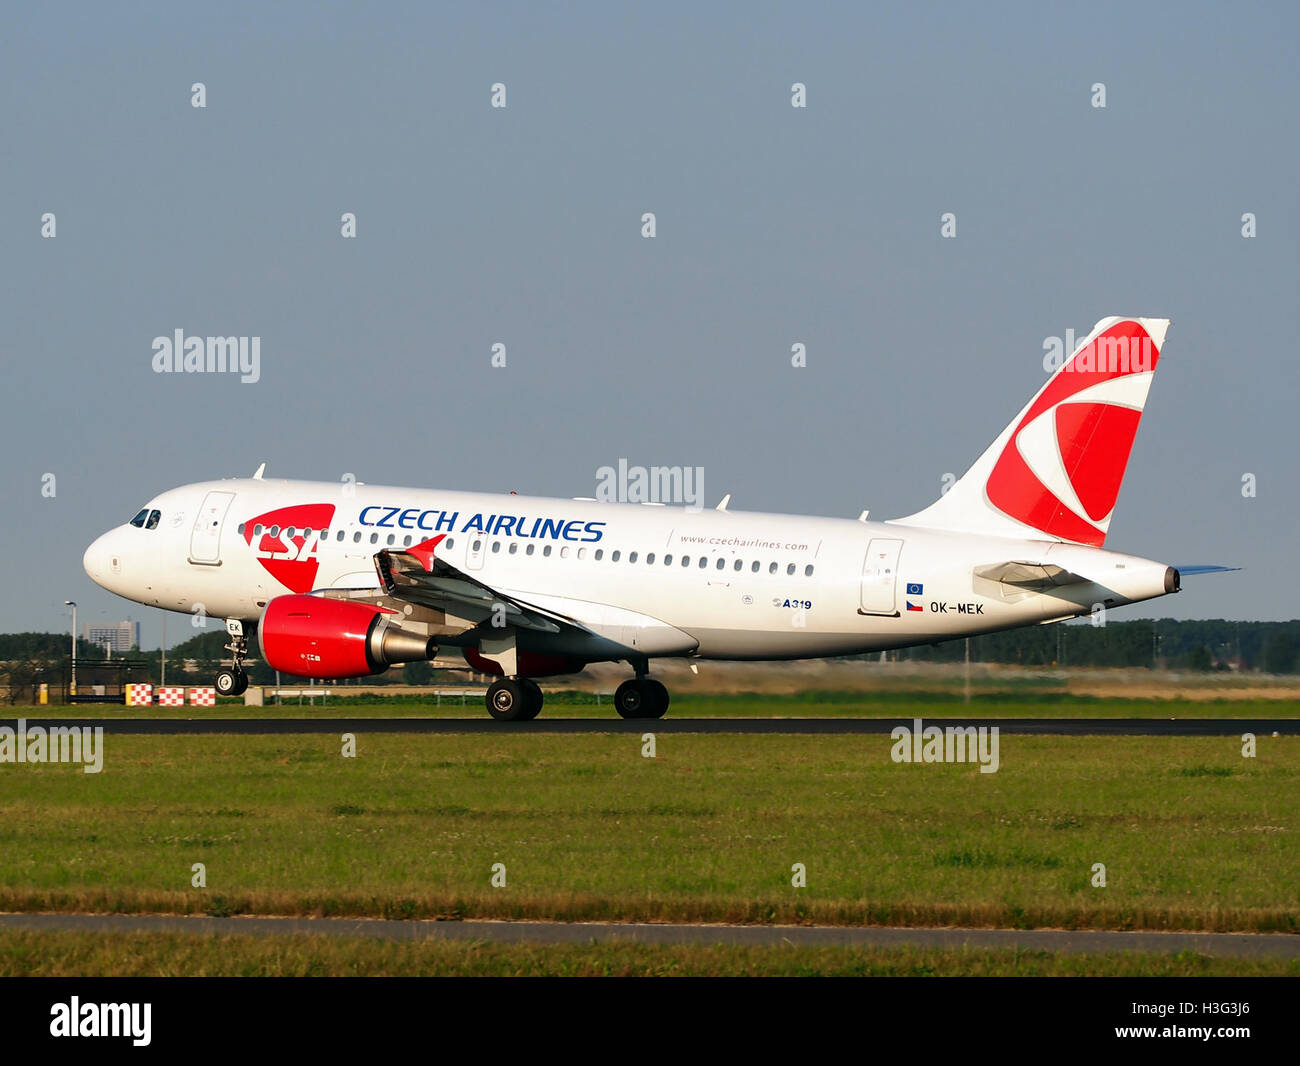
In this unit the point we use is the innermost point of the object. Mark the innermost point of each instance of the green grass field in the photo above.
(24, 954)
(1193, 836)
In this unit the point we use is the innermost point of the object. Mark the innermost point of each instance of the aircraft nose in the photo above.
(98, 560)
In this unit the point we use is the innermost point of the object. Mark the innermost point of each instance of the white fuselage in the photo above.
(658, 580)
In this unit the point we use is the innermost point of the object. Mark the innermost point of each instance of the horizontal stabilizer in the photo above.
(1029, 576)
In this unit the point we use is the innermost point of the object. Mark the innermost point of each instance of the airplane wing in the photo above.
(418, 576)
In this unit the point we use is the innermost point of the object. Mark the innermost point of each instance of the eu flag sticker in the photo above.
(915, 589)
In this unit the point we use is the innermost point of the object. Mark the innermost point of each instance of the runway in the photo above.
(1223, 945)
(1164, 727)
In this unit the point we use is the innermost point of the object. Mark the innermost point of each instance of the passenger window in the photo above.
(772, 569)
(406, 543)
(496, 546)
(356, 537)
(754, 568)
(564, 553)
(450, 544)
(722, 563)
(374, 538)
(600, 554)
(790, 570)
(631, 557)
(650, 559)
(476, 546)
(546, 550)
(289, 532)
(686, 560)
(614, 557)
(138, 520)
(514, 547)
(339, 538)
(275, 531)
(530, 549)
(739, 565)
(240, 530)
(807, 571)
(703, 562)
(668, 560)
(392, 539)
(582, 553)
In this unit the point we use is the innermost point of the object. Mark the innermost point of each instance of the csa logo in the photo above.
(1061, 470)
(289, 542)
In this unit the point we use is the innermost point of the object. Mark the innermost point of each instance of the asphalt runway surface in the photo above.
(1164, 727)
(1237, 945)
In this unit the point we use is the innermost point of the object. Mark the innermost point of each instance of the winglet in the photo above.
(424, 551)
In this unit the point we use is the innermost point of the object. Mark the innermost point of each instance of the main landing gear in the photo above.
(233, 680)
(519, 699)
(642, 697)
(514, 699)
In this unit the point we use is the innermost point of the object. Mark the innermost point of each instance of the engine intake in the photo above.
(316, 636)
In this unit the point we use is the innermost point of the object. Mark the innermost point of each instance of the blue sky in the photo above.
(775, 225)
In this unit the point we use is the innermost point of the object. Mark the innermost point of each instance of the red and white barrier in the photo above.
(139, 694)
(171, 696)
(203, 697)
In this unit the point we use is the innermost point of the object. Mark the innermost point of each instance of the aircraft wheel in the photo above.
(507, 701)
(656, 704)
(534, 697)
(641, 698)
(230, 682)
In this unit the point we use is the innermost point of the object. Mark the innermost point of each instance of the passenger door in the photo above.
(880, 577)
(205, 537)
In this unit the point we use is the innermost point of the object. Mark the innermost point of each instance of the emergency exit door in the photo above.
(880, 577)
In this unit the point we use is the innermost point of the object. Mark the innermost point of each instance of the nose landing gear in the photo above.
(233, 680)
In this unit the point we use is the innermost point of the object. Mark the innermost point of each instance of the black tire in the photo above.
(656, 704)
(507, 701)
(534, 697)
(243, 684)
(227, 682)
(630, 699)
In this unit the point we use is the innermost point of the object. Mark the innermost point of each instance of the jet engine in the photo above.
(316, 636)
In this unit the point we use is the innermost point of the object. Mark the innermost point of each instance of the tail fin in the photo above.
(1055, 471)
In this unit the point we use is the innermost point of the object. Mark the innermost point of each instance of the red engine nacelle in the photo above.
(316, 636)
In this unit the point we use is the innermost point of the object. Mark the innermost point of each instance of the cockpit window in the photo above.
(138, 520)
(152, 521)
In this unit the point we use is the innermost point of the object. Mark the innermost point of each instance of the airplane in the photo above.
(340, 580)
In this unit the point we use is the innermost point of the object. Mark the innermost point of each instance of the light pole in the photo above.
(72, 687)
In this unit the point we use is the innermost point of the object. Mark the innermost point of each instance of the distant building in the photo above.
(120, 636)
